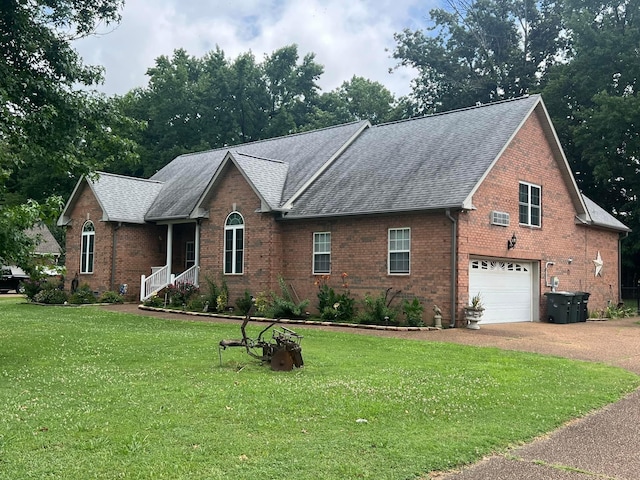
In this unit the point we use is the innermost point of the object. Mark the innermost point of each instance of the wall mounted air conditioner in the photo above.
(500, 218)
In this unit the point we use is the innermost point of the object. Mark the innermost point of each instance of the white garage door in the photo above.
(505, 288)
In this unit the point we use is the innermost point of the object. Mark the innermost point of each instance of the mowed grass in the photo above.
(86, 393)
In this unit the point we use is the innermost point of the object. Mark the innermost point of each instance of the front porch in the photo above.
(182, 254)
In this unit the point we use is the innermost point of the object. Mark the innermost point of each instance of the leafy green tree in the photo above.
(47, 123)
(16, 247)
(357, 99)
(593, 99)
(192, 104)
(481, 51)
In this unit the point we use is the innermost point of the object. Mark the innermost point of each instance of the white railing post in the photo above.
(143, 293)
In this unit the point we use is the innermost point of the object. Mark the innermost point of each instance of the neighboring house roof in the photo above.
(601, 218)
(122, 199)
(46, 243)
(428, 163)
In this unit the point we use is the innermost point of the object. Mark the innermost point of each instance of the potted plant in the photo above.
(473, 312)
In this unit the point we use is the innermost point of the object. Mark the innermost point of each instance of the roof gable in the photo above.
(122, 199)
(432, 162)
(188, 179)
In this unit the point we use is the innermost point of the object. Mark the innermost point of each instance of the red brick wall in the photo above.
(359, 247)
(530, 159)
(139, 247)
(87, 208)
(262, 252)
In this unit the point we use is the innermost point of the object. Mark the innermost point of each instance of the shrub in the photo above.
(32, 286)
(181, 293)
(263, 303)
(244, 303)
(218, 297)
(50, 295)
(617, 311)
(283, 306)
(333, 306)
(198, 303)
(378, 310)
(111, 297)
(154, 301)
(83, 295)
(413, 311)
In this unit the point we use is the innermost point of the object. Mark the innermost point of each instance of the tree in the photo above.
(357, 99)
(481, 51)
(594, 101)
(46, 121)
(192, 104)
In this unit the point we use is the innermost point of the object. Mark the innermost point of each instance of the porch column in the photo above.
(196, 252)
(169, 250)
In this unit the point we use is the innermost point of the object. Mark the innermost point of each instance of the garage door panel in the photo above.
(505, 287)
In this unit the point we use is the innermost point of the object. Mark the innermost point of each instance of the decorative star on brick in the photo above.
(598, 263)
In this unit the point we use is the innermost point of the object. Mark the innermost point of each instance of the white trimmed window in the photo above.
(88, 247)
(530, 204)
(399, 251)
(190, 254)
(322, 252)
(234, 244)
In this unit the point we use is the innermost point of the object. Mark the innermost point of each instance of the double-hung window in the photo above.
(530, 204)
(322, 252)
(190, 254)
(399, 251)
(88, 247)
(234, 244)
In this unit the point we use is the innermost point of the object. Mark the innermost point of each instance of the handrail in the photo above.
(154, 282)
(190, 275)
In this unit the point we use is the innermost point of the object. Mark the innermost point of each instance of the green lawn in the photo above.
(86, 393)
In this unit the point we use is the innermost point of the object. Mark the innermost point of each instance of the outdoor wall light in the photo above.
(511, 243)
(569, 260)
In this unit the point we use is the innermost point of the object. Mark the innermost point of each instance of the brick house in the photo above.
(440, 208)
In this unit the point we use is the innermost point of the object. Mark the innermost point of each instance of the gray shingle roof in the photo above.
(268, 177)
(601, 218)
(431, 162)
(47, 244)
(187, 177)
(124, 199)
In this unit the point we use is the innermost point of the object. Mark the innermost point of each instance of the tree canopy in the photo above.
(193, 104)
(481, 51)
(47, 123)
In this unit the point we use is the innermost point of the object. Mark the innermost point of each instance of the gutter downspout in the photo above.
(114, 251)
(454, 261)
(620, 238)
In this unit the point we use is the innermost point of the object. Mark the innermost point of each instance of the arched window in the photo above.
(88, 246)
(234, 243)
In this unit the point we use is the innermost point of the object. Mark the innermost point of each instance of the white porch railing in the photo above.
(160, 278)
(190, 275)
(155, 282)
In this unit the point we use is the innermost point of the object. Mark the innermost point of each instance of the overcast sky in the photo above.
(348, 37)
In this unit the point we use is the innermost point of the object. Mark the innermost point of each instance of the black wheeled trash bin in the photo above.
(559, 306)
(583, 315)
(576, 305)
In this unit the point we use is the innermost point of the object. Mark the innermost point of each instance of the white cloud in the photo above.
(348, 38)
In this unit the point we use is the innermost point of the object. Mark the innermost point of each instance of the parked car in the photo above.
(11, 278)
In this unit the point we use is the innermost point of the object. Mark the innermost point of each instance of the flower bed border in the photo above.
(290, 321)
